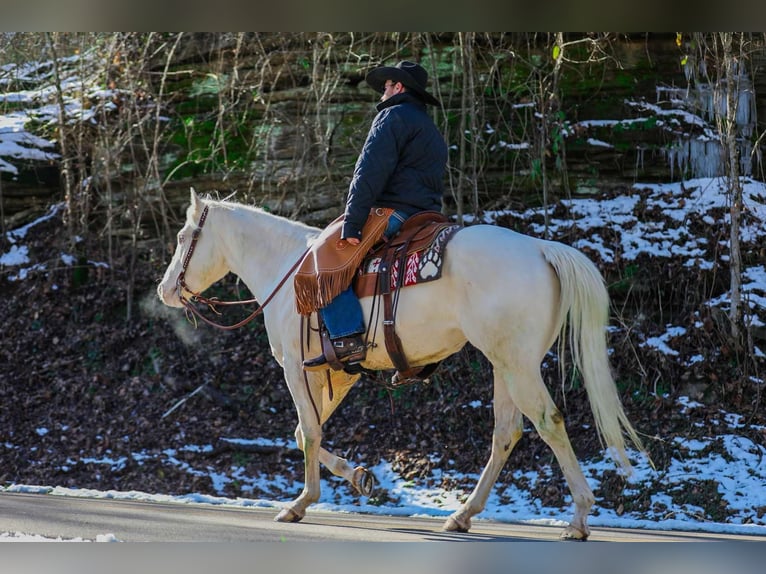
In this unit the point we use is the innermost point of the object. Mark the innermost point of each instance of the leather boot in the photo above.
(348, 350)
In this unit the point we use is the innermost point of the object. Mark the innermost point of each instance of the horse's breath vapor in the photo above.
(184, 330)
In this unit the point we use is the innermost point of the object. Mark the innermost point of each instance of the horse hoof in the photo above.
(364, 481)
(574, 534)
(452, 525)
(288, 515)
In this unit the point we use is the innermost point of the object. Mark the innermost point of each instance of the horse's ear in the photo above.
(196, 203)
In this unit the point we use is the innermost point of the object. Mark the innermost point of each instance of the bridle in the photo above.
(191, 310)
(193, 313)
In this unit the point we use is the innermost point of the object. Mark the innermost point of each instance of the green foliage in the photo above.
(93, 357)
(644, 394)
(80, 272)
(623, 285)
(575, 378)
(150, 364)
(207, 147)
(241, 458)
(628, 126)
(209, 133)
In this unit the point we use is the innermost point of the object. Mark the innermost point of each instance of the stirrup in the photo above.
(350, 350)
(414, 375)
(338, 353)
(316, 364)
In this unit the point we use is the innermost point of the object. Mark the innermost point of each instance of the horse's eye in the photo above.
(180, 238)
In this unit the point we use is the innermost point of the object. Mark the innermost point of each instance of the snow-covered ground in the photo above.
(735, 462)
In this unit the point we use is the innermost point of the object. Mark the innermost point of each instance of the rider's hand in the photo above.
(343, 243)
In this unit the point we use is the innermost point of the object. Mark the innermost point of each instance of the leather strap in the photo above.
(305, 338)
(393, 343)
(328, 349)
(390, 304)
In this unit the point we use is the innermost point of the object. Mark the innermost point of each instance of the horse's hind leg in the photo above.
(507, 432)
(531, 396)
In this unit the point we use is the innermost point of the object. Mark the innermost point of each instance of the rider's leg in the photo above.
(344, 319)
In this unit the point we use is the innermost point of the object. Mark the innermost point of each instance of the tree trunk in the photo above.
(66, 160)
(734, 185)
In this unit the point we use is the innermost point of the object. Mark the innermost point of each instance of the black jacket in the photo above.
(402, 164)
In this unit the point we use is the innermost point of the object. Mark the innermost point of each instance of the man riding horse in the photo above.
(400, 172)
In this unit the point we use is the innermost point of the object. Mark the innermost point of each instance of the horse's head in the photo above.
(187, 273)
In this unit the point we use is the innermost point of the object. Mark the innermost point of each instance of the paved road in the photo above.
(131, 521)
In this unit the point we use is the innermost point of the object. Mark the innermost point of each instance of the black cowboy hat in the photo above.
(412, 76)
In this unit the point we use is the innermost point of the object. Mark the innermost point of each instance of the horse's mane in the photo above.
(299, 228)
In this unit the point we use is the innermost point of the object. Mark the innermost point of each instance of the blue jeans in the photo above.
(343, 315)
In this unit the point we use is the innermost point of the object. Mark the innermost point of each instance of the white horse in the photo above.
(510, 295)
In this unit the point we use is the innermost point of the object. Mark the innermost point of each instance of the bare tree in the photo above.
(51, 39)
(468, 130)
(725, 51)
(729, 133)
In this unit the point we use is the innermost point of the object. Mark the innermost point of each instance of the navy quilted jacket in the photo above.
(402, 164)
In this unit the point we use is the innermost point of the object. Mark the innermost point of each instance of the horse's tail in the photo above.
(584, 308)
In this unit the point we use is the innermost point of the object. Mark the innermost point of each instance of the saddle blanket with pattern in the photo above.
(422, 264)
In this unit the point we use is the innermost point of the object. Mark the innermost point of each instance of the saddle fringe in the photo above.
(312, 293)
(325, 270)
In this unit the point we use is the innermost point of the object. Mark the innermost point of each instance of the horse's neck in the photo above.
(260, 247)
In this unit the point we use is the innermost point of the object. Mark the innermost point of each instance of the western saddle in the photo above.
(417, 235)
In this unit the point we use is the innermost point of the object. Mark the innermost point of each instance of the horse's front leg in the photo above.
(358, 476)
(308, 436)
(308, 440)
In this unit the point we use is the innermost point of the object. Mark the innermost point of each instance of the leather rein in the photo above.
(212, 303)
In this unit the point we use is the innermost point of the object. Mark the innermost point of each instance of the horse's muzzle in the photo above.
(166, 296)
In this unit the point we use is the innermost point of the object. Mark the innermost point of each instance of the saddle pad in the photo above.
(420, 266)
